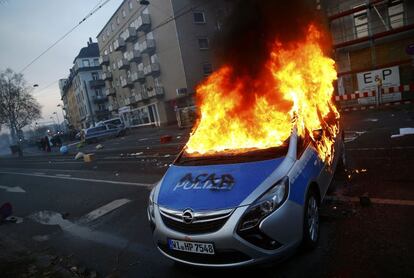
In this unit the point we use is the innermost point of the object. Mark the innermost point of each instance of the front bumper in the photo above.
(284, 225)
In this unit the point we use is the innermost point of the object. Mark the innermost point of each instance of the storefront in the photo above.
(142, 116)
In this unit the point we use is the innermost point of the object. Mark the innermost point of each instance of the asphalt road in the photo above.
(91, 217)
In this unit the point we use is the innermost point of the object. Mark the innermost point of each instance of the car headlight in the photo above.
(266, 204)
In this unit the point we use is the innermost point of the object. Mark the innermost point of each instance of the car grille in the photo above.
(220, 256)
(204, 222)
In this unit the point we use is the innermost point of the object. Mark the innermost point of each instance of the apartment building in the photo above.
(154, 55)
(83, 91)
(372, 38)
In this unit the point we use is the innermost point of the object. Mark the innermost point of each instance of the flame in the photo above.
(239, 113)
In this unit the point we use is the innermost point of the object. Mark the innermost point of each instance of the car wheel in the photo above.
(311, 221)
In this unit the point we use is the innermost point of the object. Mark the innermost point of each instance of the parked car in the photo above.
(94, 134)
(114, 121)
(235, 210)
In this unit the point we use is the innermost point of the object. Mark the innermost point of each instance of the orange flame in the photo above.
(238, 114)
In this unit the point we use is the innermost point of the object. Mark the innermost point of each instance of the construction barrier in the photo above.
(388, 95)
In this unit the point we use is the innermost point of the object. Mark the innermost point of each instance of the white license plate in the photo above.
(191, 247)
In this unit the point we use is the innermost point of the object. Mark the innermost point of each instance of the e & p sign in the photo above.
(390, 78)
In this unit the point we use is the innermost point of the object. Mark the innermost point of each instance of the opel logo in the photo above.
(188, 216)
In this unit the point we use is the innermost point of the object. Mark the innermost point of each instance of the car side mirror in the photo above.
(317, 134)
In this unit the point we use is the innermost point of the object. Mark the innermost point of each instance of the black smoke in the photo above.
(254, 25)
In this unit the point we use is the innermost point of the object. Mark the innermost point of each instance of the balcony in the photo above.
(119, 44)
(143, 23)
(152, 69)
(96, 83)
(147, 46)
(104, 60)
(123, 64)
(137, 76)
(135, 98)
(129, 35)
(110, 92)
(107, 76)
(126, 82)
(100, 99)
(133, 56)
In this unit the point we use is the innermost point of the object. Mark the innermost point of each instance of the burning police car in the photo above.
(241, 209)
(248, 184)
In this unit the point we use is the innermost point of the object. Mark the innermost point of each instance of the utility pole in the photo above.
(89, 103)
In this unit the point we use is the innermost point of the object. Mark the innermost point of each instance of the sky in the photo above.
(28, 27)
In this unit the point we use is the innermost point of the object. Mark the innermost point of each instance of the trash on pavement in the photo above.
(88, 157)
(404, 131)
(99, 146)
(64, 150)
(79, 155)
(165, 139)
(14, 219)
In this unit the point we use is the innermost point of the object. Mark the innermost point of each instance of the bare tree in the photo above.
(18, 108)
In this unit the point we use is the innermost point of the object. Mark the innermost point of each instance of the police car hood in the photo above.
(212, 187)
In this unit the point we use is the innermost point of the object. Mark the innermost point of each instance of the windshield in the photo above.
(226, 158)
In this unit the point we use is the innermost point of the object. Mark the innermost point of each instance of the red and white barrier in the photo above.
(387, 90)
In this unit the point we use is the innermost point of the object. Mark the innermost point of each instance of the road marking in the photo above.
(63, 175)
(80, 179)
(15, 189)
(379, 201)
(39, 173)
(95, 214)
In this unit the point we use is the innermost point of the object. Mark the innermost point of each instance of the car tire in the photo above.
(311, 221)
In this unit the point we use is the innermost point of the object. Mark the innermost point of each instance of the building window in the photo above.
(361, 23)
(112, 26)
(207, 69)
(199, 18)
(396, 13)
(154, 59)
(95, 76)
(130, 5)
(85, 63)
(96, 62)
(117, 20)
(203, 43)
(123, 13)
(110, 48)
(108, 33)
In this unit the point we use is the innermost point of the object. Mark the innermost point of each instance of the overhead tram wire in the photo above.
(94, 10)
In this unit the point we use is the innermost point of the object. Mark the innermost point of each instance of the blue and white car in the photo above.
(102, 131)
(242, 209)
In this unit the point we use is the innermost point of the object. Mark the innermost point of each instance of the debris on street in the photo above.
(79, 155)
(99, 147)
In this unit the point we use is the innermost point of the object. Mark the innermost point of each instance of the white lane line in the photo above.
(62, 175)
(80, 179)
(373, 200)
(95, 214)
(15, 189)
